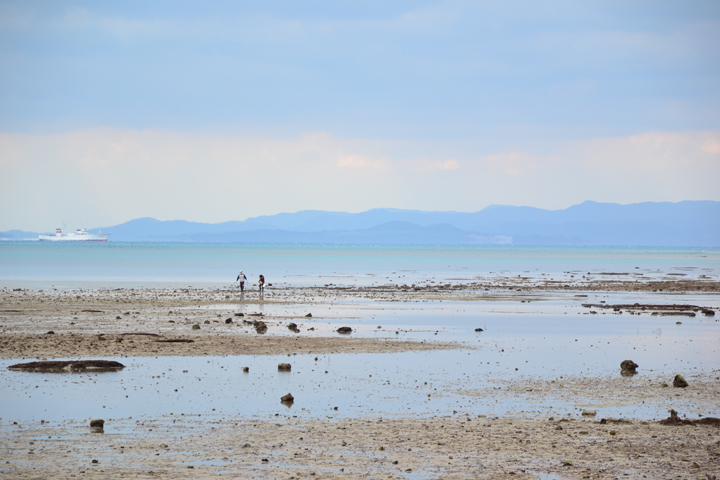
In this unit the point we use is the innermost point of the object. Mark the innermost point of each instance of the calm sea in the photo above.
(116, 264)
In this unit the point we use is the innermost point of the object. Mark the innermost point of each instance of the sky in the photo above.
(217, 111)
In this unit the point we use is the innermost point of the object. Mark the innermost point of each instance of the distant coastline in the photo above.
(649, 224)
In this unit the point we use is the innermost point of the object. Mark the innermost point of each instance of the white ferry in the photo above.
(79, 235)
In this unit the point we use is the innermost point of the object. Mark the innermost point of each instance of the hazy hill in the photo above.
(688, 223)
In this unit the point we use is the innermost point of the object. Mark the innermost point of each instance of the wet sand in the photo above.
(455, 446)
(113, 322)
(129, 322)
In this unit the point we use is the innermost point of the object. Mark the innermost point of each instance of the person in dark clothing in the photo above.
(261, 282)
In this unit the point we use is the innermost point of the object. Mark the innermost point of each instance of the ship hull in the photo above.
(53, 238)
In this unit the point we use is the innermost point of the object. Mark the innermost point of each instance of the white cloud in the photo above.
(101, 177)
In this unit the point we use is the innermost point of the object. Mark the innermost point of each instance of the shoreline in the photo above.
(449, 447)
(197, 321)
(538, 440)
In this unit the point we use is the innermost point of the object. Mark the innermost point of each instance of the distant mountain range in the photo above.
(682, 224)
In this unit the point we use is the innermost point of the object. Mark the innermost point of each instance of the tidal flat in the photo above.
(490, 378)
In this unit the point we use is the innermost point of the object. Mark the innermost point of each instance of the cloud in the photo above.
(101, 177)
(359, 161)
(514, 164)
(711, 146)
(449, 164)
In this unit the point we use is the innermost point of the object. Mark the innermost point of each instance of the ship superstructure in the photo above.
(79, 235)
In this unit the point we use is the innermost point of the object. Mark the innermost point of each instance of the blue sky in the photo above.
(221, 111)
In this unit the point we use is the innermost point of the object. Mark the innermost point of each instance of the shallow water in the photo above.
(522, 343)
(111, 264)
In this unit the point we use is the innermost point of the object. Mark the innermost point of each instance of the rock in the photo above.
(207, 322)
(59, 366)
(628, 367)
(96, 425)
(50, 332)
(344, 330)
(708, 312)
(196, 327)
(246, 369)
(680, 382)
(674, 419)
(118, 317)
(589, 413)
(284, 367)
(287, 398)
(94, 461)
(293, 327)
(228, 320)
(479, 329)
(260, 327)
(567, 463)
(309, 315)
(239, 314)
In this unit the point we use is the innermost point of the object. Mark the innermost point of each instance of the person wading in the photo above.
(261, 282)
(242, 279)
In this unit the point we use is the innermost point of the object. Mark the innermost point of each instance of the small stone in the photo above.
(207, 322)
(284, 367)
(51, 332)
(479, 329)
(246, 369)
(228, 320)
(309, 315)
(95, 461)
(196, 327)
(613, 432)
(567, 463)
(589, 413)
(287, 398)
(680, 382)
(344, 330)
